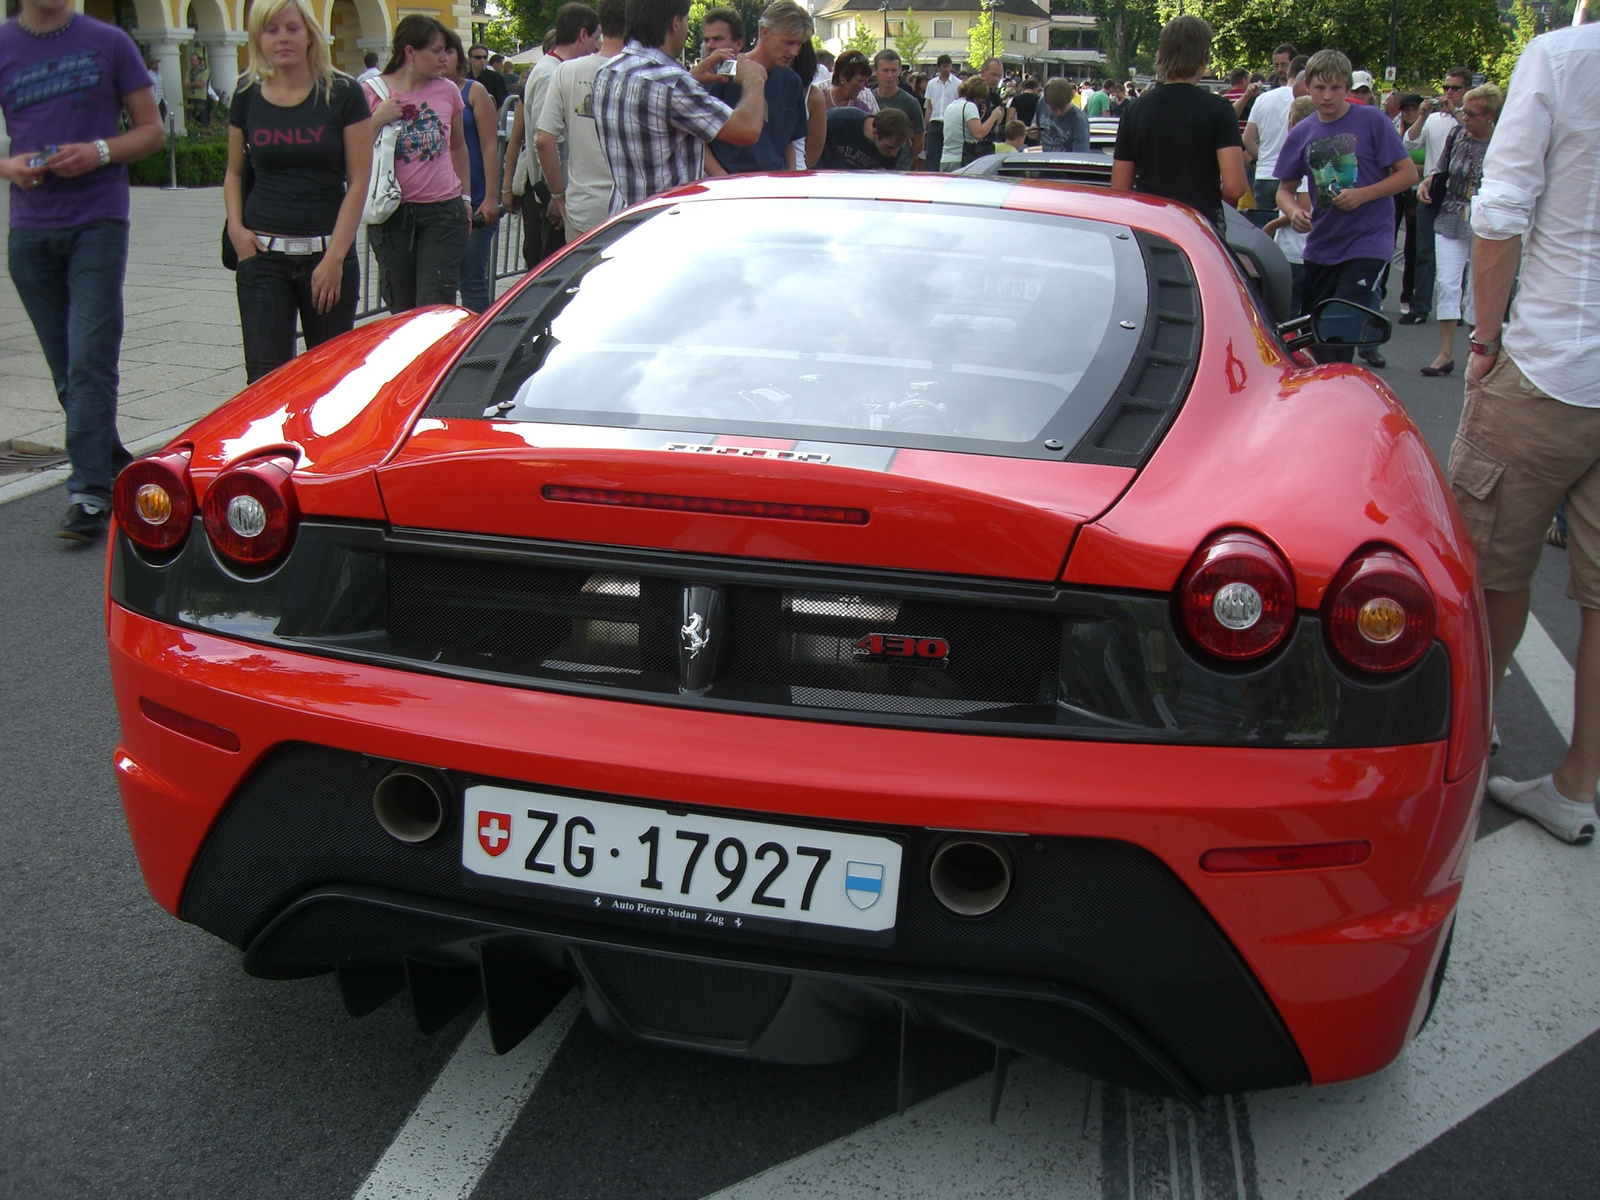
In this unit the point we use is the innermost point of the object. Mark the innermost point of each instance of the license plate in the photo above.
(718, 871)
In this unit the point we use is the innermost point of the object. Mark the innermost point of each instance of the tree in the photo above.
(1128, 32)
(983, 41)
(1524, 31)
(1432, 37)
(864, 39)
(500, 35)
(909, 41)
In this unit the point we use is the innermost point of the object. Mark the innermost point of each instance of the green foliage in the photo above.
(910, 41)
(865, 38)
(1523, 32)
(1129, 30)
(749, 12)
(529, 19)
(983, 41)
(500, 35)
(200, 164)
(1431, 37)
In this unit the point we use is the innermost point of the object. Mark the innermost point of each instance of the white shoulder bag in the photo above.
(383, 191)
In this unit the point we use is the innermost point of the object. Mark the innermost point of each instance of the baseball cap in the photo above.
(1360, 79)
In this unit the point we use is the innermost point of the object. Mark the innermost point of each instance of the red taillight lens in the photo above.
(1380, 612)
(190, 727)
(1286, 858)
(251, 512)
(151, 501)
(1236, 597)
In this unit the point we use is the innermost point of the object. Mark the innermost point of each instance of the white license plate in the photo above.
(717, 871)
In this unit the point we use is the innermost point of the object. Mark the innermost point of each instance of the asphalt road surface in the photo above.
(138, 1060)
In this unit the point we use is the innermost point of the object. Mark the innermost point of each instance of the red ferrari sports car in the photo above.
(815, 602)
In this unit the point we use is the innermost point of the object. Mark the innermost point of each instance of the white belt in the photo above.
(292, 245)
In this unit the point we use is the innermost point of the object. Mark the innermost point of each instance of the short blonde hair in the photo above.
(1331, 66)
(318, 58)
(1490, 96)
(1300, 108)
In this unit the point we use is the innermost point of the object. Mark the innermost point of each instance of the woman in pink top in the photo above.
(419, 249)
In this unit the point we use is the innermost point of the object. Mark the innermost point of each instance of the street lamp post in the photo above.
(884, 9)
(989, 7)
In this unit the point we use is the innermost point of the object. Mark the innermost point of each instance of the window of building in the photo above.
(896, 28)
(1033, 35)
(944, 28)
(1012, 36)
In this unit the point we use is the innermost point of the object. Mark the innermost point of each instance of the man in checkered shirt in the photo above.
(654, 117)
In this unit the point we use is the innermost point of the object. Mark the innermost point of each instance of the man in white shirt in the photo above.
(580, 193)
(1432, 126)
(1530, 431)
(939, 95)
(1264, 134)
(521, 183)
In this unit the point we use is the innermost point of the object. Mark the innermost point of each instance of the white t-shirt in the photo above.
(1291, 243)
(533, 93)
(569, 114)
(955, 129)
(1270, 116)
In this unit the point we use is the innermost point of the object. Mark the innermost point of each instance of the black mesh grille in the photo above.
(801, 648)
(674, 995)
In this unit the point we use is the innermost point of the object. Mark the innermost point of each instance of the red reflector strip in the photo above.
(1286, 858)
(190, 727)
(708, 504)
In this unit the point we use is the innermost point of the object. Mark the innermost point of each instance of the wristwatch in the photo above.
(1489, 348)
(105, 151)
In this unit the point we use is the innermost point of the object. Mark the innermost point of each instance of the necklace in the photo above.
(66, 25)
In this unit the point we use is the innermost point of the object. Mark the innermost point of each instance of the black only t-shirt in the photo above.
(495, 84)
(1025, 104)
(297, 155)
(848, 147)
(1172, 134)
(997, 132)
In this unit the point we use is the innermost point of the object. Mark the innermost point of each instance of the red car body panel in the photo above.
(1338, 951)
(1320, 461)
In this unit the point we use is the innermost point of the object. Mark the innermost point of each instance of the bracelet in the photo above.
(105, 151)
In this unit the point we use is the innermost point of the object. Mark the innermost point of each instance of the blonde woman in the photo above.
(307, 133)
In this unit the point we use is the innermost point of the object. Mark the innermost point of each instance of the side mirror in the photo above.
(1338, 322)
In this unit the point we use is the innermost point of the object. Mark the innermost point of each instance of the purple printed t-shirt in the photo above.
(1354, 151)
(61, 88)
(422, 163)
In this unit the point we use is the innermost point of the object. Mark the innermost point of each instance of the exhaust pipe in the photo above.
(970, 876)
(410, 805)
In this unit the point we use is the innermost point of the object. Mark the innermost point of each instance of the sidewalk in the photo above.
(181, 355)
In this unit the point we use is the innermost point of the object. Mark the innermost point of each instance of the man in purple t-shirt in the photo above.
(64, 80)
(1352, 156)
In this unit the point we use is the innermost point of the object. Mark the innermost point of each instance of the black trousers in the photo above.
(274, 290)
(1356, 280)
(419, 252)
(540, 239)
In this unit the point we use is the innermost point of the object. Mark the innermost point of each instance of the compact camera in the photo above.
(728, 66)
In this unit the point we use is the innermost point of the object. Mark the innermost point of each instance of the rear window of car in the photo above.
(936, 325)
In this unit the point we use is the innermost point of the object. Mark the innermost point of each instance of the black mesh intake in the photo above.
(676, 996)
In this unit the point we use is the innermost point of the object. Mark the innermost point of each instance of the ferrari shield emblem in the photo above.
(494, 832)
(863, 883)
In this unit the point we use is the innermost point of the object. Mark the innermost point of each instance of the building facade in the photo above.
(1022, 28)
(173, 32)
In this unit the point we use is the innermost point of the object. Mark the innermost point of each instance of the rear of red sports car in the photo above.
(808, 602)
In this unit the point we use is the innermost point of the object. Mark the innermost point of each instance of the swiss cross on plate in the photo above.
(494, 832)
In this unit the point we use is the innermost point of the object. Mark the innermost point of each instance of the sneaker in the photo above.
(1374, 358)
(1538, 799)
(1555, 535)
(1410, 317)
(83, 524)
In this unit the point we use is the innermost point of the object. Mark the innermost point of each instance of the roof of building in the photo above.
(1016, 8)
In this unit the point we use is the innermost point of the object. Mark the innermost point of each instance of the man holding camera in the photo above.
(785, 27)
(655, 118)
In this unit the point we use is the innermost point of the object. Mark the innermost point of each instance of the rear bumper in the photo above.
(1234, 981)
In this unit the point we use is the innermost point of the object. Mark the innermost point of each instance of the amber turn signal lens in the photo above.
(153, 502)
(1381, 620)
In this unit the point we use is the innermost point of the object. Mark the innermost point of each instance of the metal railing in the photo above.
(505, 260)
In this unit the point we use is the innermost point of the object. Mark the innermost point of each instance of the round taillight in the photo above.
(152, 503)
(1236, 597)
(251, 512)
(1380, 612)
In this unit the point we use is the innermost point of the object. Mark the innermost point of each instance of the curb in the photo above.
(43, 481)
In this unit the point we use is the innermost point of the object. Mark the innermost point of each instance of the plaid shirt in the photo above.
(654, 120)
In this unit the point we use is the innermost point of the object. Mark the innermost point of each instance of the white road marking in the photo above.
(1549, 673)
(1522, 989)
(451, 1136)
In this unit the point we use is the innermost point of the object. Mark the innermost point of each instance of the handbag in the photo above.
(247, 180)
(383, 191)
(1441, 177)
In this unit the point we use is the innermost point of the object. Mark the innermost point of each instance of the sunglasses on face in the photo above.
(1455, 87)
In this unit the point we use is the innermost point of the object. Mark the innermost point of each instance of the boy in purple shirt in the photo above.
(1352, 157)
(64, 79)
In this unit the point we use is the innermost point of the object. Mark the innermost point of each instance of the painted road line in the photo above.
(1522, 989)
(451, 1136)
(1548, 672)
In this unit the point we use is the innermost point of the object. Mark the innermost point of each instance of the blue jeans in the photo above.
(70, 282)
(477, 284)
